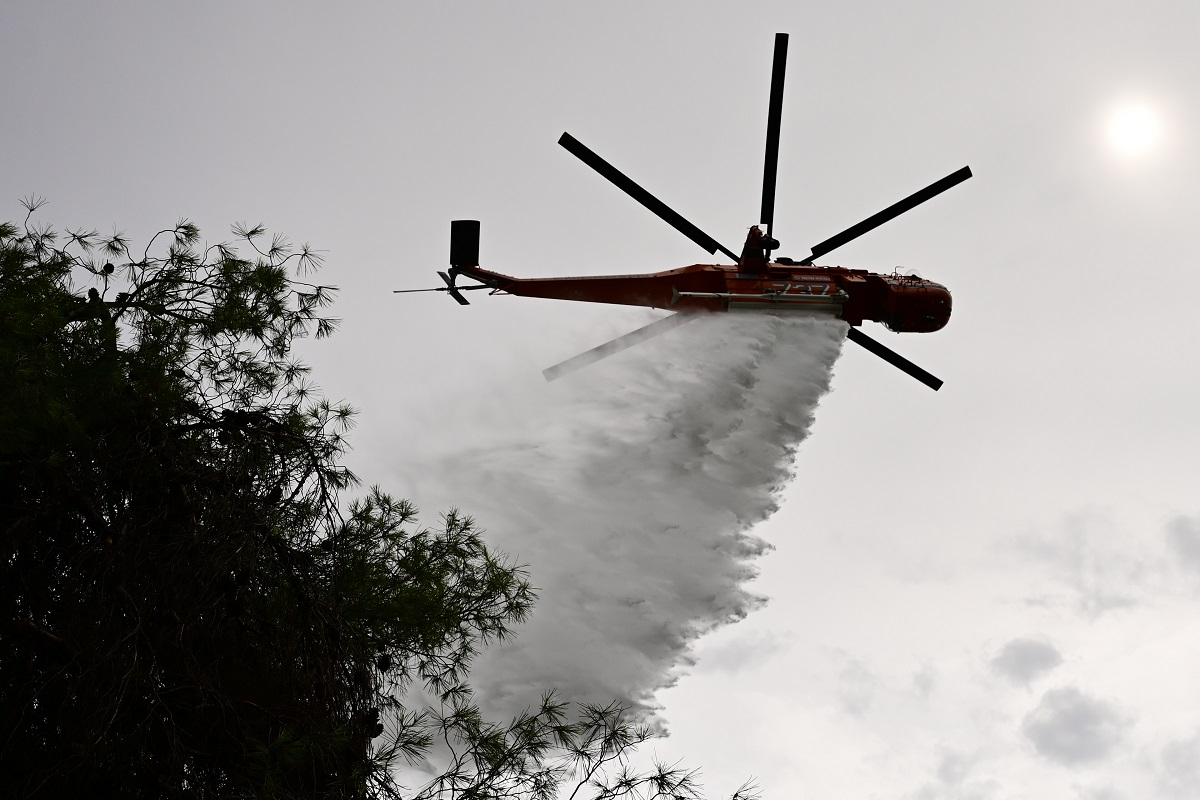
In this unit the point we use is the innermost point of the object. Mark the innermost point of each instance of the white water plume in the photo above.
(630, 489)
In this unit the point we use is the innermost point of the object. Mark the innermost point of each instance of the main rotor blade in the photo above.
(894, 358)
(625, 184)
(774, 115)
(656, 328)
(891, 212)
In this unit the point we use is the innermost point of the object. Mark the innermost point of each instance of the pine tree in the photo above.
(189, 605)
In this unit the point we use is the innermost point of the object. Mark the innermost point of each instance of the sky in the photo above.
(808, 567)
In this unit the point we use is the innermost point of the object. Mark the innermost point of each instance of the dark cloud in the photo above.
(1183, 534)
(1179, 768)
(1022, 660)
(1072, 728)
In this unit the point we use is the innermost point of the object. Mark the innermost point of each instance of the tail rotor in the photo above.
(464, 252)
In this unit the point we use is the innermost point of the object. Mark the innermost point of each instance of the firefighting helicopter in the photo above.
(757, 281)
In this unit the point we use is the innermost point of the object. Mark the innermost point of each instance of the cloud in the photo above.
(1179, 768)
(1183, 535)
(1072, 728)
(857, 685)
(1022, 660)
(630, 489)
(1092, 564)
(953, 768)
(1100, 793)
(970, 790)
(742, 651)
(925, 680)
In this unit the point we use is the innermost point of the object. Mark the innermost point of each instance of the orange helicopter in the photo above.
(757, 282)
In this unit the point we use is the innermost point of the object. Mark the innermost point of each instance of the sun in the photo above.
(1134, 129)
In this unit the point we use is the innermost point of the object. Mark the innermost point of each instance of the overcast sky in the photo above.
(987, 592)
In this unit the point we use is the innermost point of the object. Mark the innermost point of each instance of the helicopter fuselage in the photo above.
(755, 282)
(904, 303)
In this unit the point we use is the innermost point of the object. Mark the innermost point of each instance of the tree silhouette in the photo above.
(189, 606)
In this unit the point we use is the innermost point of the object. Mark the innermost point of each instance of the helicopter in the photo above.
(758, 281)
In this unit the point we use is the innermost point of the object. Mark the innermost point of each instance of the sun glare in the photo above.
(1134, 129)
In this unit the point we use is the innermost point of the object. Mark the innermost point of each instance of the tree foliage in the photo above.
(189, 605)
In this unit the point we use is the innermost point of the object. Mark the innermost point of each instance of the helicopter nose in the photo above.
(935, 308)
(919, 308)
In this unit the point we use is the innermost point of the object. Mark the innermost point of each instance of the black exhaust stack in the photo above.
(464, 243)
(464, 252)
